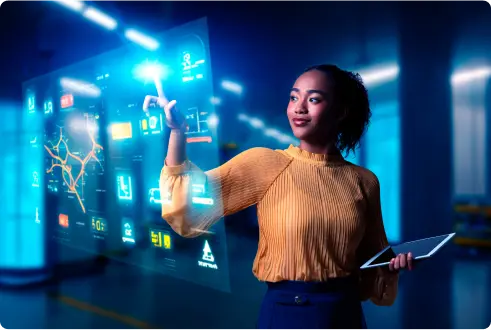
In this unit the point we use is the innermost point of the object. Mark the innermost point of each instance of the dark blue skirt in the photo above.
(334, 304)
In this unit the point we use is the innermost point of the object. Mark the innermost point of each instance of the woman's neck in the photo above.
(322, 149)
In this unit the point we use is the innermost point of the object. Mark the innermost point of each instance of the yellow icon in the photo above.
(121, 131)
(167, 242)
(98, 225)
(144, 124)
(156, 238)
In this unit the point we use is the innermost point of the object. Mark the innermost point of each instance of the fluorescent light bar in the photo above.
(71, 4)
(256, 123)
(213, 121)
(141, 39)
(100, 18)
(232, 87)
(378, 76)
(80, 87)
(465, 76)
(243, 117)
(215, 100)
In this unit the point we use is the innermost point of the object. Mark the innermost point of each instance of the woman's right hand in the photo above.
(176, 151)
(173, 117)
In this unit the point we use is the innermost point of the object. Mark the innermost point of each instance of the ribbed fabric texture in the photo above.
(319, 215)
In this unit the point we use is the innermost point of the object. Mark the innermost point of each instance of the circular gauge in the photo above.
(192, 58)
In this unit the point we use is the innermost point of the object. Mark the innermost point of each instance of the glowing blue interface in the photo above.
(103, 155)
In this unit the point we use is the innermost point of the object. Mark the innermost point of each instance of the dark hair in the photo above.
(351, 100)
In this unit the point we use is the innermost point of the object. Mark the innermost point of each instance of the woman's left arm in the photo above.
(378, 284)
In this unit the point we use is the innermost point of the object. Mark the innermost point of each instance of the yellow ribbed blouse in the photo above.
(319, 215)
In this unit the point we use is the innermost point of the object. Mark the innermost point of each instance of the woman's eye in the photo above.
(293, 98)
(314, 100)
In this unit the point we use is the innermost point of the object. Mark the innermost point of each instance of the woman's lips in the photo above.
(300, 122)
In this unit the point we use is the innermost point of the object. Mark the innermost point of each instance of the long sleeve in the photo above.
(378, 284)
(234, 186)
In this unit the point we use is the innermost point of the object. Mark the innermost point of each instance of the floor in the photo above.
(448, 292)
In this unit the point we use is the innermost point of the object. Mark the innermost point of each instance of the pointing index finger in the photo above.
(160, 92)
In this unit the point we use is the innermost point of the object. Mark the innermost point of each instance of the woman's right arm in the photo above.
(176, 154)
(237, 184)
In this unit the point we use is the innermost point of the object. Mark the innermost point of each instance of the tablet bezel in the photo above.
(368, 264)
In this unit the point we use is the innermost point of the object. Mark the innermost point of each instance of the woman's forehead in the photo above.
(313, 80)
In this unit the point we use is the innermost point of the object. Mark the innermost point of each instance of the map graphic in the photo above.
(63, 158)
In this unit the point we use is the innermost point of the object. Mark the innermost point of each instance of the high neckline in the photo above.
(307, 156)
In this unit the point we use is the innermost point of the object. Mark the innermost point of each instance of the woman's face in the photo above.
(308, 109)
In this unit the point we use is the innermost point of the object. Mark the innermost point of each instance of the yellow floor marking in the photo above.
(103, 312)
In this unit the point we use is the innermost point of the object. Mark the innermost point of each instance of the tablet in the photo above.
(421, 249)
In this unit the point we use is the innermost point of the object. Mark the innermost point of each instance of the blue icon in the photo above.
(186, 61)
(48, 107)
(35, 179)
(124, 187)
(128, 235)
(153, 121)
(31, 104)
(154, 195)
(37, 216)
(208, 259)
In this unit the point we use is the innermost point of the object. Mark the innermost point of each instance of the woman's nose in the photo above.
(301, 110)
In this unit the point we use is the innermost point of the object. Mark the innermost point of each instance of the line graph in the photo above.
(72, 181)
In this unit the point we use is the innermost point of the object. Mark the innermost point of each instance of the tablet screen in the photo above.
(419, 248)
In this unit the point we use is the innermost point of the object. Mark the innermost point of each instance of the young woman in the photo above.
(319, 215)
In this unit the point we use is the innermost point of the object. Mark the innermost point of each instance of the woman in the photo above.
(319, 215)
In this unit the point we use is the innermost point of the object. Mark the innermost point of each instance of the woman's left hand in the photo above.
(402, 261)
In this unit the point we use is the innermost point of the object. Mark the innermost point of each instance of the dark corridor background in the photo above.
(427, 67)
